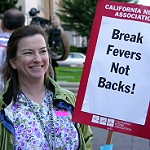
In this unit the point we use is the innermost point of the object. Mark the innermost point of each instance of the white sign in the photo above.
(119, 84)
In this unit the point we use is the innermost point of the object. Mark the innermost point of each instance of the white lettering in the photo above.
(123, 8)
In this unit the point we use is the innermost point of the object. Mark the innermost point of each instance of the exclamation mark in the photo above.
(133, 88)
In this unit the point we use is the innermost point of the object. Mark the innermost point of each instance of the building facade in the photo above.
(47, 9)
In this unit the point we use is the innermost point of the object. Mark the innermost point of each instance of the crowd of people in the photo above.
(35, 112)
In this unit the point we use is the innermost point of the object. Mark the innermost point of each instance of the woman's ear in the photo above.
(2, 26)
(12, 63)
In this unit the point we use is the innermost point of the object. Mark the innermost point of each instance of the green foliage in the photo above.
(78, 15)
(74, 74)
(7, 4)
(78, 49)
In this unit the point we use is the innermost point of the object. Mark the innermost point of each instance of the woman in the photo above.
(35, 112)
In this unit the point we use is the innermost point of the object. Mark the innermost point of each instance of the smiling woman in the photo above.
(33, 102)
(32, 59)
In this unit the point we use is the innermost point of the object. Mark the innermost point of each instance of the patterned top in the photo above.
(28, 132)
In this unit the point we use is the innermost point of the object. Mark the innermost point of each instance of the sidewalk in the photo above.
(120, 141)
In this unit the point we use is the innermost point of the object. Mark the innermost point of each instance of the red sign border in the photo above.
(86, 118)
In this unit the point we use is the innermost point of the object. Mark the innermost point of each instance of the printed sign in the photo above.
(114, 89)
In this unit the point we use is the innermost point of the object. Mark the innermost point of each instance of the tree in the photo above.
(77, 15)
(7, 4)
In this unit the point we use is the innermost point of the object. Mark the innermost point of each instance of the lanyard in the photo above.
(51, 140)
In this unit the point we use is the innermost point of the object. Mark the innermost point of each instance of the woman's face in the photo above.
(32, 60)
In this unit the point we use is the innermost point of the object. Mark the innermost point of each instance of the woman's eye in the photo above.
(27, 53)
(43, 51)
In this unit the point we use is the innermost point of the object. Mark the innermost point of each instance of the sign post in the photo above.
(114, 89)
(109, 137)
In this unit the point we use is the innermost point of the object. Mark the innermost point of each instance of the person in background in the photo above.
(12, 19)
(35, 112)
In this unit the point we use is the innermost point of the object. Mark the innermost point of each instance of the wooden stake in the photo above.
(109, 137)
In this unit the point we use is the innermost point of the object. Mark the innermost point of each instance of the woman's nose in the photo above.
(37, 58)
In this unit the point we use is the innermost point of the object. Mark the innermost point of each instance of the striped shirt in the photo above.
(4, 37)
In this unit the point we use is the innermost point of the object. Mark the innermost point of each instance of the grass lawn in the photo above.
(68, 74)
